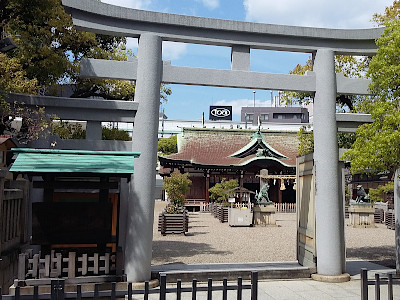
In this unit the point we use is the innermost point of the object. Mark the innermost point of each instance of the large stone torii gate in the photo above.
(150, 71)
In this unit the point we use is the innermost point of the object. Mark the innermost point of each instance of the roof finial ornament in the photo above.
(259, 124)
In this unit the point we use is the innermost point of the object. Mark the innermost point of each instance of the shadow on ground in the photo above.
(167, 250)
(383, 255)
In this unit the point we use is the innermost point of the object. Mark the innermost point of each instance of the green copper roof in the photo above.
(259, 146)
(72, 161)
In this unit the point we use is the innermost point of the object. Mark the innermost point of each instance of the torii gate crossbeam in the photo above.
(152, 28)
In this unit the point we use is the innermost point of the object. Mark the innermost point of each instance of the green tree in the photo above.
(113, 133)
(13, 79)
(306, 140)
(350, 66)
(219, 192)
(392, 12)
(50, 51)
(378, 194)
(66, 130)
(74, 131)
(377, 145)
(168, 145)
(176, 186)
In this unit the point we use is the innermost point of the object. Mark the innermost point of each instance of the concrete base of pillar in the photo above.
(140, 285)
(86, 287)
(264, 215)
(331, 278)
(361, 215)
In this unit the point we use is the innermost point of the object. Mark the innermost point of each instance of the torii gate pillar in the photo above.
(328, 202)
(140, 215)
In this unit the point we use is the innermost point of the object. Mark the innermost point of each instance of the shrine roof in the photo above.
(7, 142)
(218, 147)
(73, 161)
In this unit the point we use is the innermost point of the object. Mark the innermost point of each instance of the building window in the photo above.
(287, 116)
(264, 117)
(249, 117)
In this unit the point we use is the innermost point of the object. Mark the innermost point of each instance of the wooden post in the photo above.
(95, 263)
(21, 266)
(35, 265)
(207, 196)
(71, 264)
(2, 217)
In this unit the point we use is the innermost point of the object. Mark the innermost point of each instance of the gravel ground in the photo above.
(209, 241)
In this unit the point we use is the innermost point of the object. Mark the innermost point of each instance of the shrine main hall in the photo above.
(210, 155)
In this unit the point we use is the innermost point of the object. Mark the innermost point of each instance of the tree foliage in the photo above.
(168, 145)
(350, 66)
(176, 186)
(113, 133)
(219, 192)
(306, 140)
(290, 98)
(378, 194)
(33, 121)
(391, 13)
(377, 145)
(75, 131)
(70, 131)
(50, 51)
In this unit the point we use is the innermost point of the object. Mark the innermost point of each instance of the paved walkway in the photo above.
(310, 289)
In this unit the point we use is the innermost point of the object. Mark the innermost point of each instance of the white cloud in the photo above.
(132, 43)
(239, 103)
(137, 4)
(211, 4)
(351, 14)
(172, 50)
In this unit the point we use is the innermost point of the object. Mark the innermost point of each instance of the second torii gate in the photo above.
(149, 71)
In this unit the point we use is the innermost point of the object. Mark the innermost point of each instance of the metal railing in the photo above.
(379, 279)
(57, 291)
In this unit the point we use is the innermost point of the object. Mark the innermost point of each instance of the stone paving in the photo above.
(210, 241)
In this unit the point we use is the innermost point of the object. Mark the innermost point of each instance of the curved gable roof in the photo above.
(221, 147)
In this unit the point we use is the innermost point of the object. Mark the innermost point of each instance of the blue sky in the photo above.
(189, 102)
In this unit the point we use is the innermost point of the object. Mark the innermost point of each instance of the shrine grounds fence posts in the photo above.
(386, 279)
(58, 290)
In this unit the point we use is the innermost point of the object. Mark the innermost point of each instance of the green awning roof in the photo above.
(73, 161)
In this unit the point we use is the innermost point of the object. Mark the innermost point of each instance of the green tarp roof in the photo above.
(72, 161)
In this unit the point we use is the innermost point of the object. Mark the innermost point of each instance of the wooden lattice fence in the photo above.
(69, 265)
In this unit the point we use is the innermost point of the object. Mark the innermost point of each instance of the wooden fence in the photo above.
(58, 292)
(70, 266)
(280, 207)
(13, 229)
(11, 219)
(377, 282)
(285, 207)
